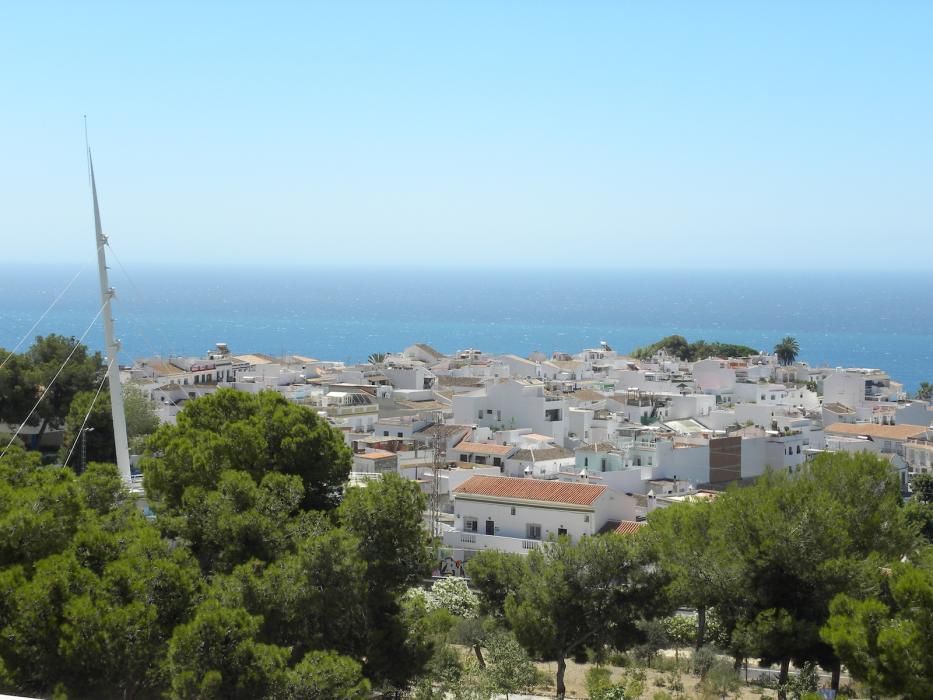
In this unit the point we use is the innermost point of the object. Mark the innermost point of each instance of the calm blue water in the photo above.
(851, 319)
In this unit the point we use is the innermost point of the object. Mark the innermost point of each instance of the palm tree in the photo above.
(925, 392)
(787, 350)
(376, 358)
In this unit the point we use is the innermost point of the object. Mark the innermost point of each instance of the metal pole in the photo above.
(113, 346)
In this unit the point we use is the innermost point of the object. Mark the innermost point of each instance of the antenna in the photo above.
(107, 294)
(439, 462)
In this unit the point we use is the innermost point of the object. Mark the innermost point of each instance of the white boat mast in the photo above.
(107, 293)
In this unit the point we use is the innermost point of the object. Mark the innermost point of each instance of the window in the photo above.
(561, 531)
(586, 461)
(498, 415)
(496, 462)
(532, 531)
(479, 414)
(513, 510)
(586, 518)
(399, 434)
(488, 411)
(470, 525)
(385, 433)
(603, 464)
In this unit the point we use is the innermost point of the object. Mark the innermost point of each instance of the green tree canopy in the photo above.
(885, 640)
(701, 567)
(787, 350)
(798, 541)
(17, 389)
(570, 596)
(141, 420)
(679, 347)
(253, 433)
(81, 373)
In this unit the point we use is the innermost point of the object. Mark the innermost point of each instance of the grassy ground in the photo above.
(655, 682)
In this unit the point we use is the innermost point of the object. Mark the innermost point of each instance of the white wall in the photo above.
(690, 463)
(847, 389)
(713, 376)
(508, 525)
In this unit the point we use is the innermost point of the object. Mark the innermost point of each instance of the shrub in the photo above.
(703, 660)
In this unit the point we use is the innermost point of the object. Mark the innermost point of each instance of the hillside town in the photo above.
(511, 450)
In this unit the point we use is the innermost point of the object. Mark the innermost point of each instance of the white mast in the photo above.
(107, 293)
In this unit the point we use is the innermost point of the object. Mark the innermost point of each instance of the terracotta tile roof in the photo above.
(542, 454)
(873, 430)
(628, 527)
(598, 447)
(444, 430)
(588, 395)
(376, 454)
(482, 448)
(531, 489)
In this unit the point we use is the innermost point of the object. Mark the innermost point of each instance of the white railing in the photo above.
(477, 541)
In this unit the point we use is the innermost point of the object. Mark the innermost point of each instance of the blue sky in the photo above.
(544, 134)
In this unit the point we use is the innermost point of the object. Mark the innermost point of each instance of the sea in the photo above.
(840, 319)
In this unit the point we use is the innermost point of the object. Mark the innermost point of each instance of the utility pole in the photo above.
(439, 462)
(84, 432)
(107, 294)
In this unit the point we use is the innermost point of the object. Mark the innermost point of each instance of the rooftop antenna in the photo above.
(438, 462)
(107, 293)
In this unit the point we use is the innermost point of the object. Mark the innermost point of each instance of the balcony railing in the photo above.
(478, 541)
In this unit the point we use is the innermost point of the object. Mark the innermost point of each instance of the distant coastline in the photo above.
(346, 312)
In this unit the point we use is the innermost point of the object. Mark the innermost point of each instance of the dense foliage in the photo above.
(24, 377)
(677, 346)
(787, 350)
(263, 577)
(264, 581)
(564, 597)
(771, 558)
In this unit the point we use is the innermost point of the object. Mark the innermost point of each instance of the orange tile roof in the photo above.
(375, 454)
(629, 527)
(531, 489)
(483, 448)
(885, 432)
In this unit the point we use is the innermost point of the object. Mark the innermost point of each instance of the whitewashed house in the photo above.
(513, 403)
(515, 515)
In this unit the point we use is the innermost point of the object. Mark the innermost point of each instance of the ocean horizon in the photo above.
(850, 319)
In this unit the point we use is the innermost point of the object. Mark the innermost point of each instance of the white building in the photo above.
(515, 515)
(513, 403)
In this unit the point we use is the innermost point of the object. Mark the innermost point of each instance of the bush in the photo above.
(703, 660)
(453, 594)
(597, 680)
(720, 679)
(804, 682)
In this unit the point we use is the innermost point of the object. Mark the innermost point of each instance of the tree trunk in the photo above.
(782, 679)
(701, 626)
(561, 668)
(478, 650)
(837, 671)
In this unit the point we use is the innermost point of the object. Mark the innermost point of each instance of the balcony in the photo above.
(344, 410)
(476, 541)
